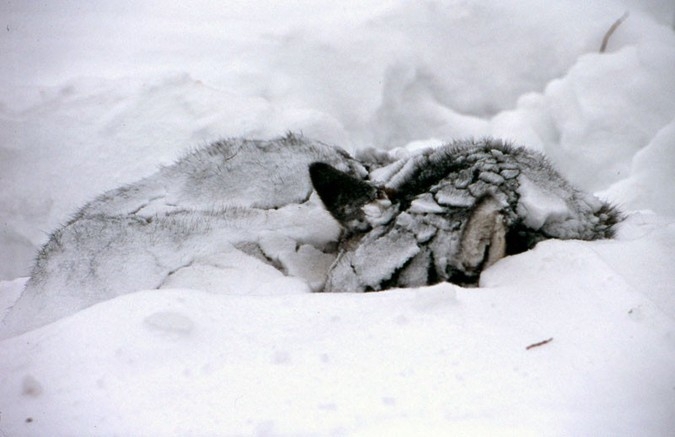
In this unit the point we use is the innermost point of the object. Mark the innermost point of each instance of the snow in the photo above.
(539, 205)
(99, 94)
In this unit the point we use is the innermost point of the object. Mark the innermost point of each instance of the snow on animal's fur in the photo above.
(447, 213)
(243, 207)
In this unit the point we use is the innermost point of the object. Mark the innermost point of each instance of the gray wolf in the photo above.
(302, 209)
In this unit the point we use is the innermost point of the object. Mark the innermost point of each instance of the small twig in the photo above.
(611, 30)
(541, 343)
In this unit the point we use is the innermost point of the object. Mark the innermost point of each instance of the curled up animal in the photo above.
(314, 213)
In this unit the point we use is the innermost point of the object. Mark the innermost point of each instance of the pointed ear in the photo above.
(343, 195)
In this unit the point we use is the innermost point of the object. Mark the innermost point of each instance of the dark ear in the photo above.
(342, 194)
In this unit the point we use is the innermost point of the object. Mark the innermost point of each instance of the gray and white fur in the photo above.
(445, 214)
(236, 205)
(442, 214)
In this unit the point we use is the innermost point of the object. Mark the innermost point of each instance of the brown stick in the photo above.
(611, 30)
(541, 343)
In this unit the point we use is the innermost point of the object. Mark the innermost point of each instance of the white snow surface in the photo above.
(98, 94)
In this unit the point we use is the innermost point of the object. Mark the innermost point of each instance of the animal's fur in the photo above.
(445, 214)
(439, 215)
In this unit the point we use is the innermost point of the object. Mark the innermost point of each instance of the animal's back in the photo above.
(238, 199)
(531, 191)
(234, 172)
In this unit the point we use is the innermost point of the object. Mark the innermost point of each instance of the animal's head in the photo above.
(404, 237)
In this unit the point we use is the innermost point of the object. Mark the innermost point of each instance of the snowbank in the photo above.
(100, 94)
(436, 359)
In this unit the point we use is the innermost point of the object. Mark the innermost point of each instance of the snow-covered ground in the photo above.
(97, 94)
